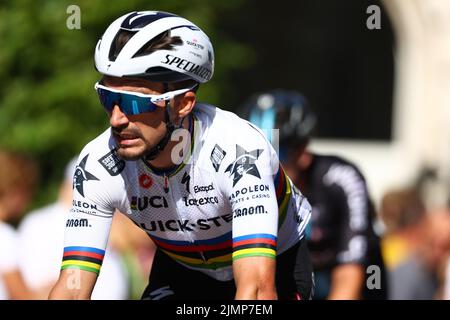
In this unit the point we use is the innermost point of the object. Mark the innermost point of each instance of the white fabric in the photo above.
(224, 192)
(8, 254)
(41, 239)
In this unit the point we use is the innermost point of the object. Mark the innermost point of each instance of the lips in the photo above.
(126, 138)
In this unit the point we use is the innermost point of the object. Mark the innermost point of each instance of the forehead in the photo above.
(132, 82)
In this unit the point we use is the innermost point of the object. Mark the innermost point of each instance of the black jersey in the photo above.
(341, 229)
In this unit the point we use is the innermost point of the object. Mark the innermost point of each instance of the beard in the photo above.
(131, 144)
(131, 153)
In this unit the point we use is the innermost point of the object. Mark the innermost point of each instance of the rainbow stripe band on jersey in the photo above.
(255, 245)
(216, 251)
(83, 258)
(283, 192)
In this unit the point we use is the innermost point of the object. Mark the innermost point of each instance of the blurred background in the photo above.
(381, 94)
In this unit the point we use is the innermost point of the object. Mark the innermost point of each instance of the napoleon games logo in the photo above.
(244, 164)
(82, 175)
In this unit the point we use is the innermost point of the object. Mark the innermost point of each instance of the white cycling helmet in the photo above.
(191, 59)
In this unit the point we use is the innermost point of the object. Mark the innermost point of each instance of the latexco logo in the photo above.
(200, 201)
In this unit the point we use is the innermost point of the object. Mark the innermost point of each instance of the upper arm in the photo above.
(355, 221)
(249, 180)
(347, 277)
(86, 230)
(346, 282)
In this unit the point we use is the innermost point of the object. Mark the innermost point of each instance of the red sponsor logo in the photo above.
(145, 181)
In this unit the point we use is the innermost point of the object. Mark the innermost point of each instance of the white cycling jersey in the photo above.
(229, 198)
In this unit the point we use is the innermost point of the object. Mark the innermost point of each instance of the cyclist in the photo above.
(219, 207)
(341, 238)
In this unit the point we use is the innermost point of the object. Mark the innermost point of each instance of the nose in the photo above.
(118, 118)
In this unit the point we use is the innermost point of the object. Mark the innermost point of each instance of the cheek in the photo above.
(152, 119)
(152, 127)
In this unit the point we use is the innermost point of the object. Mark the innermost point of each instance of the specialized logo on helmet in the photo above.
(81, 176)
(188, 66)
(244, 164)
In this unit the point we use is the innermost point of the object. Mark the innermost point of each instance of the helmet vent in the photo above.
(163, 41)
(121, 38)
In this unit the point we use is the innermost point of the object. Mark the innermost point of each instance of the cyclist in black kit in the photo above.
(341, 238)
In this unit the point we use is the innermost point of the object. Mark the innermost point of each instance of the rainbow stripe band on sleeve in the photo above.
(83, 258)
(255, 245)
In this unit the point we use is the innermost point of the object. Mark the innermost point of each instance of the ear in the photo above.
(186, 103)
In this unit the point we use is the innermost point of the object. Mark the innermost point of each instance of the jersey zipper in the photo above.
(166, 184)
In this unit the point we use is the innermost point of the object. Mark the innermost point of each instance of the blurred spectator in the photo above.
(416, 246)
(18, 178)
(41, 236)
(436, 250)
(341, 237)
(402, 212)
(137, 250)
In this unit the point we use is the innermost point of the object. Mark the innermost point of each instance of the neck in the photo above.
(305, 160)
(297, 167)
(164, 161)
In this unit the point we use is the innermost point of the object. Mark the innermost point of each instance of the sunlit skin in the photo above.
(136, 135)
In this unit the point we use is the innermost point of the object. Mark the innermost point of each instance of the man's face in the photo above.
(136, 134)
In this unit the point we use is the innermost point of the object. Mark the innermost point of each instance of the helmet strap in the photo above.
(170, 128)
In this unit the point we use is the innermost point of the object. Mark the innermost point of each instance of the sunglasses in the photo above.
(132, 103)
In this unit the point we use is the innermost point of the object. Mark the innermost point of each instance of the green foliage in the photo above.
(48, 107)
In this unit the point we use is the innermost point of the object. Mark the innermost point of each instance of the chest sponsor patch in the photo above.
(217, 155)
(112, 163)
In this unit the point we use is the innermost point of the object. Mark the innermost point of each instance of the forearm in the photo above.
(256, 293)
(255, 278)
(60, 293)
(346, 282)
(73, 285)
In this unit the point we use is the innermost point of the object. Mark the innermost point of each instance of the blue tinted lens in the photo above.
(129, 104)
(132, 104)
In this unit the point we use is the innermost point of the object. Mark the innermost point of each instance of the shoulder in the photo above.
(226, 123)
(97, 147)
(99, 159)
(226, 137)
